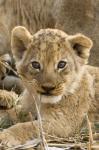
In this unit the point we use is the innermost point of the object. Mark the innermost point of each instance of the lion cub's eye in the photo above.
(36, 65)
(61, 64)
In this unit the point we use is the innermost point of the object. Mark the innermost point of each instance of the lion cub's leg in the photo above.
(7, 99)
(19, 133)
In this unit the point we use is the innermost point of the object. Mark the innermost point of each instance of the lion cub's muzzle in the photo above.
(47, 89)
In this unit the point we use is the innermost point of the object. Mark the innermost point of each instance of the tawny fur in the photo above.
(71, 16)
(74, 83)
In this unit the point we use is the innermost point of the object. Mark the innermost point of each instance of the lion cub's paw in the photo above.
(18, 134)
(7, 99)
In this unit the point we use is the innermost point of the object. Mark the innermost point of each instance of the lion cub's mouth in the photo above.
(49, 97)
(46, 94)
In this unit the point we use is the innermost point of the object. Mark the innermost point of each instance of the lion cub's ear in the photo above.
(81, 44)
(20, 39)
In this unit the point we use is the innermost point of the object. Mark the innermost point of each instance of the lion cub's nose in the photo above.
(48, 88)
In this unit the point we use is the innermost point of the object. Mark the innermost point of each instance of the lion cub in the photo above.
(52, 64)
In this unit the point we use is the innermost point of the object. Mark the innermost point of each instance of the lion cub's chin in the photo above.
(51, 99)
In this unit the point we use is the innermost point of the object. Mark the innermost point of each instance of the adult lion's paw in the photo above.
(7, 99)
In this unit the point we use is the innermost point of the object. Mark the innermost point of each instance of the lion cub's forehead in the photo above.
(49, 39)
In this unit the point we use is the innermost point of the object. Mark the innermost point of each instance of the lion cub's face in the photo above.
(54, 59)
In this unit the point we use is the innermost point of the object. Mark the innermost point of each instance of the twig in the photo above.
(59, 139)
(37, 104)
(31, 118)
(90, 133)
(44, 143)
(66, 146)
(29, 144)
(6, 65)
